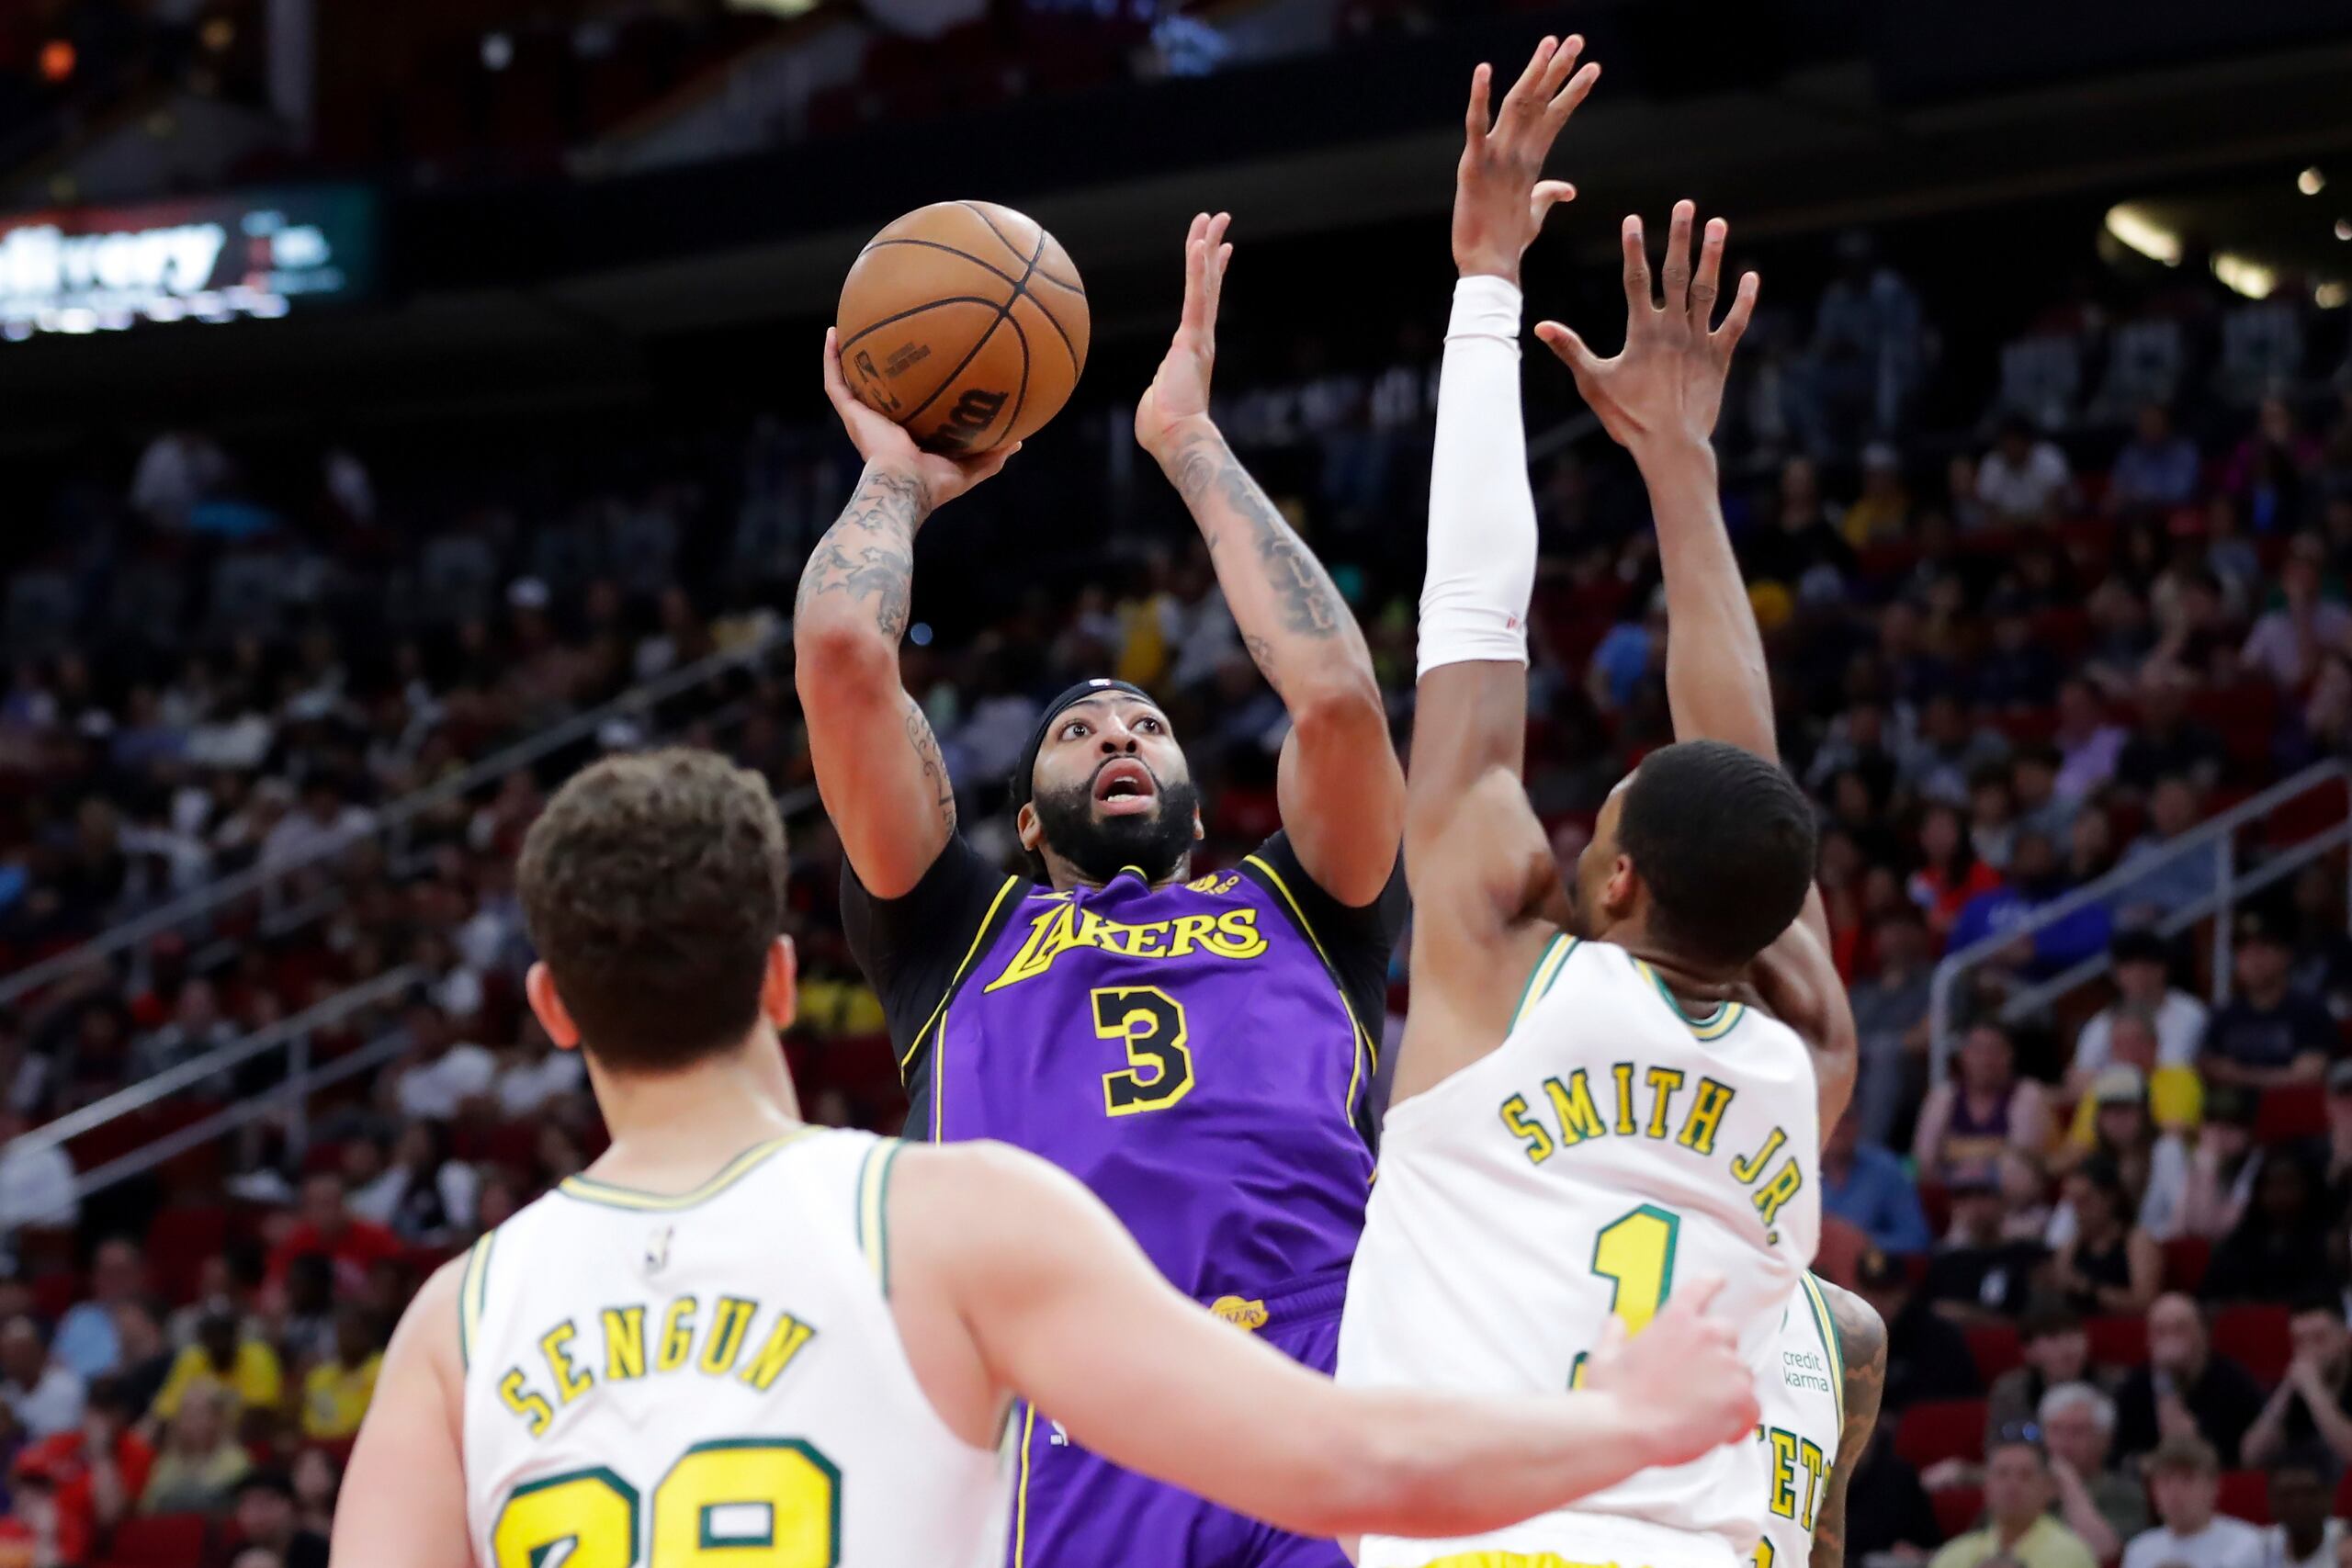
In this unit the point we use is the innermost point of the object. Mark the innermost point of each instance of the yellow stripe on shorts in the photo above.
(1512, 1560)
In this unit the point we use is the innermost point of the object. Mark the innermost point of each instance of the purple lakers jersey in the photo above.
(1201, 1055)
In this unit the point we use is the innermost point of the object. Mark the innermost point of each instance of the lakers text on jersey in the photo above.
(710, 1378)
(1613, 1143)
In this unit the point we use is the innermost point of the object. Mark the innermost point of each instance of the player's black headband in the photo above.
(1023, 779)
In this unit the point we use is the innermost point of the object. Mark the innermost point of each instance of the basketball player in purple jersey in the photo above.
(1198, 1050)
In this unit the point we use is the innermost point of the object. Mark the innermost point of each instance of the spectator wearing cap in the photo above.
(2281, 1249)
(2309, 1417)
(2057, 1351)
(2097, 1501)
(2156, 470)
(1981, 1274)
(1868, 1188)
(2184, 1388)
(2018, 1491)
(265, 1518)
(2153, 1164)
(1982, 1110)
(1926, 1358)
(97, 1469)
(2304, 1535)
(2267, 1033)
(2185, 1480)
(2143, 975)
(2110, 1265)
(42, 1394)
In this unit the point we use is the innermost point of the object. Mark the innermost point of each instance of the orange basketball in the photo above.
(966, 322)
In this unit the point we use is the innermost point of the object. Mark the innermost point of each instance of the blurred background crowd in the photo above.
(2045, 505)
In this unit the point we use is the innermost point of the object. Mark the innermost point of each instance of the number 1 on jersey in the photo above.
(1635, 1253)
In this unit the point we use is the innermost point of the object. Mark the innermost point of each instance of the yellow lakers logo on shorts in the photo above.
(1250, 1316)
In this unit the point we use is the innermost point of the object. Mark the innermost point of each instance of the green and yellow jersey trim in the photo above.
(1540, 979)
(474, 1294)
(590, 1190)
(954, 983)
(1719, 1020)
(1828, 1327)
(1367, 1048)
(874, 1208)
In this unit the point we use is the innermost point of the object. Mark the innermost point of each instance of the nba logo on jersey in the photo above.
(657, 1248)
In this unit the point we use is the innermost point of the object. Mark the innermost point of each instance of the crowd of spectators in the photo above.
(2012, 659)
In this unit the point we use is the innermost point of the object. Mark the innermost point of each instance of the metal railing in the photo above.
(291, 1035)
(192, 906)
(2232, 882)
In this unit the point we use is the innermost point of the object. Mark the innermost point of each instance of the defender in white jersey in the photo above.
(1608, 1081)
(741, 1339)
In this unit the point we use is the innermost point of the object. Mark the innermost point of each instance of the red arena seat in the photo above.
(1940, 1429)
(2254, 1335)
(1956, 1508)
(1995, 1348)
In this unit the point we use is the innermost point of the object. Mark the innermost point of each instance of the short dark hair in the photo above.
(653, 886)
(2326, 1303)
(2047, 1319)
(1725, 842)
(2186, 1454)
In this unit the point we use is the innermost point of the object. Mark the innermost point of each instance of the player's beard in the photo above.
(1099, 848)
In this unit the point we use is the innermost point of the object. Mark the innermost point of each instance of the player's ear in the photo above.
(1026, 828)
(547, 1007)
(1617, 894)
(780, 987)
(1199, 832)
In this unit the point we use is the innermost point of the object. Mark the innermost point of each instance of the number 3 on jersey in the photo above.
(1160, 1069)
(1635, 1253)
(750, 1502)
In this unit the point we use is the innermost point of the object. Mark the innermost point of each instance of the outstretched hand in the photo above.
(1499, 199)
(1666, 386)
(1179, 390)
(884, 443)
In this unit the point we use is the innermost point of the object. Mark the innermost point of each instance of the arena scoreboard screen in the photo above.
(256, 255)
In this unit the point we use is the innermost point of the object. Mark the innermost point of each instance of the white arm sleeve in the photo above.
(1482, 512)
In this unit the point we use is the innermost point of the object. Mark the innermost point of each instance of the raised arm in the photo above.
(1659, 398)
(1862, 1349)
(878, 769)
(1339, 783)
(1059, 1304)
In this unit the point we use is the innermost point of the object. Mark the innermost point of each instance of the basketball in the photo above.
(966, 322)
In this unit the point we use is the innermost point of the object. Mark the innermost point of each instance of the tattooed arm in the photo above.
(878, 768)
(1861, 1345)
(1340, 787)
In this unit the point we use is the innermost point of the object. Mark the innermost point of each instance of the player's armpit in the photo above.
(403, 1499)
(1861, 1346)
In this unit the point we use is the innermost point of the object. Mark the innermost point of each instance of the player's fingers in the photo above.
(1524, 92)
(836, 388)
(1698, 1294)
(1563, 103)
(1613, 1335)
(1743, 305)
(1480, 118)
(1637, 266)
(1547, 195)
(1557, 70)
(1677, 273)
(1704, 282)
(1570, 349)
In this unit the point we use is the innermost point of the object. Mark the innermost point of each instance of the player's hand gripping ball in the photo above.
(965, 323)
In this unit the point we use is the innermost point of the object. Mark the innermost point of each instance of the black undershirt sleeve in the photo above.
(911, 947)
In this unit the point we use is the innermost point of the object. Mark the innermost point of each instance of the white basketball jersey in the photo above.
(713, 1377)
(1804, 1396)
(1609, 1147)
